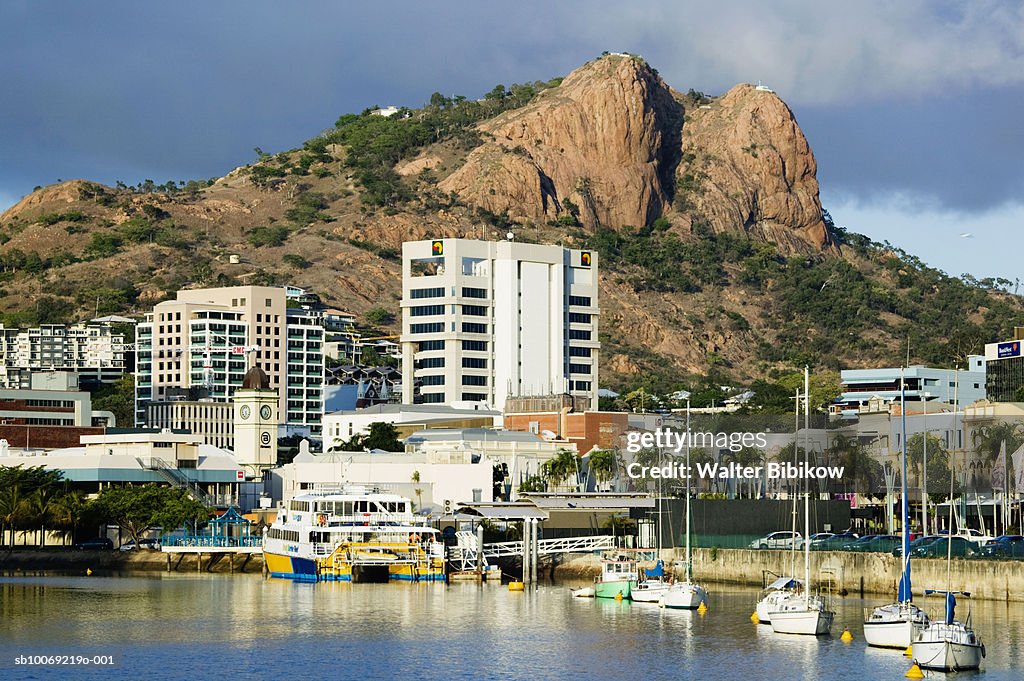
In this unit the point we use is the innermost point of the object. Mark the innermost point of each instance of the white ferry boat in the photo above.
(356, 534)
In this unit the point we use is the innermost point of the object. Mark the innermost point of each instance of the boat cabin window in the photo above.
(362, 507)
(299, 505)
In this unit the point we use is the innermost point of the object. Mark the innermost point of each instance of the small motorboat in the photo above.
(582, 592)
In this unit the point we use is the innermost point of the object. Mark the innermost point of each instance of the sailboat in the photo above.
(899, 624)
(652, 584)
(686, 595)
(804, 613)
(782, 588)
(949, 645)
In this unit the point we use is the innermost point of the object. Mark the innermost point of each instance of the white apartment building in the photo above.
(484, 320)
(200, 345)
(93, 351)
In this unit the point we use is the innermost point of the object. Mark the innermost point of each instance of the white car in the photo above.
(779, 540)
(152, 544)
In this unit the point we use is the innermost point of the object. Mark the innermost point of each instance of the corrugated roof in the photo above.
(499, 510)
(584, 502)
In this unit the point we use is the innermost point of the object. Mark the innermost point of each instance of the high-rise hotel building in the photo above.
(484, 320)
(199, 346)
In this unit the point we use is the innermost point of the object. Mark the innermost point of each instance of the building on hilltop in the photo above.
(484, 321)
(861, 386)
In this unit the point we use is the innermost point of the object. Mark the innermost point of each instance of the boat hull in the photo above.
(684, 597)
(648, 592)
(892, 634)
(612, 589)
(947, 655)
(806, 622)
(300, 569)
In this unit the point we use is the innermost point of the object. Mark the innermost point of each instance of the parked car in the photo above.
(835, 542)
(856, 543)
(883, 543)
(779, 540)
(976, 536)
(938, 549)
(1005, 546)
(97, 544)
(920, 541)
(152, 544)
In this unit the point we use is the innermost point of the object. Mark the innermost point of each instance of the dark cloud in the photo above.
(914, 97)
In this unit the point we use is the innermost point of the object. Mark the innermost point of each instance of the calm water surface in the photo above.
(185, 627)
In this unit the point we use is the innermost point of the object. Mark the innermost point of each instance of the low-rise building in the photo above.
(407, 418)
(921, 383)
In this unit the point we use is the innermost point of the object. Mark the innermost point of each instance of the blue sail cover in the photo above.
(905, 595)
(658, 571)
(950, 607)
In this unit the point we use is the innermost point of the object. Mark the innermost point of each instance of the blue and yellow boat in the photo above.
(357, 535)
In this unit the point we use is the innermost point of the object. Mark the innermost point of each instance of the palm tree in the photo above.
(603, 464)
(747, 456)
(558, 469)
(12, 511)
(418, 490)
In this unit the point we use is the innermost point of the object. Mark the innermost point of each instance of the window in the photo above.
(420, 293)
(269, 302)
(432, 398)
(474, 363)
(579, 318)
(474, 380)
(468, 292)
(426, 310)
(470, 327)
(580, 385)
(474, 397)
(429, 345)
(475, 310)
(432, 380)
(431, 363)
(582, 301)
(579, 369)
(433, 327)
(576, 334)
(579, 352)
(475, 346)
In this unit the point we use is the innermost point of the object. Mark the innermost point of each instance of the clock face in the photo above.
(265, 412)
(244, 411)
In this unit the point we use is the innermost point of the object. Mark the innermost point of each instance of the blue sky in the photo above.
(912, 108)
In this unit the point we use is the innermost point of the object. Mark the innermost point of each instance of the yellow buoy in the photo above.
(618, 596)
(754, 618)
(847, 636)
(702, 608)
(88, 572)
(909, 652)
(516, 586)
(915, 672)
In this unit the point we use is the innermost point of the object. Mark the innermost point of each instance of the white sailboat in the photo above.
(899, 624)
(685, 595)
(804, 613)
(782, 588)
(949, 645)
(653, 584)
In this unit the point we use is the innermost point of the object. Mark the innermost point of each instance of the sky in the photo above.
(913, 109)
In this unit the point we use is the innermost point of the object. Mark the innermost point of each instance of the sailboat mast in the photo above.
(807, 488)
(952, 467)
(689, 563)
(904, 506)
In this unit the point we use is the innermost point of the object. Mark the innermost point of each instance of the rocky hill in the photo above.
(718, 262)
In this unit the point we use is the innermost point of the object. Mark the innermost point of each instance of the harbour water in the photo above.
(185, 627)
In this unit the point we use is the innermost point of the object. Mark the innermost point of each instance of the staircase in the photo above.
(175, 478)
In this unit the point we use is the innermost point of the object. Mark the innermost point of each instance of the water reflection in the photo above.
(213, 625)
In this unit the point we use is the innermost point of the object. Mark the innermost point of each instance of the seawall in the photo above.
(876, 574)
(125, 561)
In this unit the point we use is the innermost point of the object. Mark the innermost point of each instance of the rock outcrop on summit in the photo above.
(606, 139)
(615, 146)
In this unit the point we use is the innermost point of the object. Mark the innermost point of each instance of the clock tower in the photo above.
(256, 421)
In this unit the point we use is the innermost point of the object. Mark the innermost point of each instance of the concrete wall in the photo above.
(877, 572)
